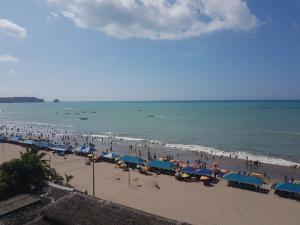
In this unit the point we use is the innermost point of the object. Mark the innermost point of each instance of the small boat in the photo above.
(151, 116)
(84, 118)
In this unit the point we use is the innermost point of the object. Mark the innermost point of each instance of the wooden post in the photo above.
(93, 176)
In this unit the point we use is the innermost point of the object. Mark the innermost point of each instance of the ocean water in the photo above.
(269, 130)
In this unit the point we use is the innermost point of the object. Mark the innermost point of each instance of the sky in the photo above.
(150, 49)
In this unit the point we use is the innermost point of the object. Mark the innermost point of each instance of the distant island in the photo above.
(56, 100)
(20, 99)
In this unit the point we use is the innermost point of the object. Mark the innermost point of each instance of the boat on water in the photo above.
(83, 118)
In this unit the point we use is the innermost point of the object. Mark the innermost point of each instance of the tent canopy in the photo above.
(188, 170)
(15, 139)
(162, 165)
(244, 179)
(60, 148)
(203, 172)
(111, 156)
(29, 142)
(288, 187)
(88, 150)
(131, 159)
(42, 144)
(2, 138)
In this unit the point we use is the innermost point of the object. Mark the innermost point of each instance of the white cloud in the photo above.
(158, 19)
(11, 71)
(52, 16)
(8, 58)
(12, 29)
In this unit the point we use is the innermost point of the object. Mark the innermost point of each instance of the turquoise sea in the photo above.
(259, 128)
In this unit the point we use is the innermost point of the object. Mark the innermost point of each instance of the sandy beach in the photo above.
(188, 202)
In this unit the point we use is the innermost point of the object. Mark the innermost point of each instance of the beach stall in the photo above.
(162, 167)
(203, 172)
(78, 149)
(29, 142)
(131, 161)
(61, 150)
(245, 182)
(88, 150)
(43, 144)
(288, 190)
(3, 139)
(14, 139)
(188, 170)
(110, 157)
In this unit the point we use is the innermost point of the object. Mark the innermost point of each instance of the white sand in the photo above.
(188, 202)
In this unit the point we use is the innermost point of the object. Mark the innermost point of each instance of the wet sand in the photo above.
(188, 202)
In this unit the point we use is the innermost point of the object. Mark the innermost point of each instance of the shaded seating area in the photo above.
(203, 172)
(188, 170)
(84, 150)
(132, 161)
(288, 190)
(110, 157)
(14, 139)
(162, 167)
(61, 150)
(246, 182)
(3, 139)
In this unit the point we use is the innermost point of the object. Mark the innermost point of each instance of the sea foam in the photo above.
(239, 154)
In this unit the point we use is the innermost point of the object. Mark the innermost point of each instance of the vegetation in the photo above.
(20, 99)
(26, 174)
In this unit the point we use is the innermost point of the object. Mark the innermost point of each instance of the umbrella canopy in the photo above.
(204, 178)
(185, 175)
(123, 165)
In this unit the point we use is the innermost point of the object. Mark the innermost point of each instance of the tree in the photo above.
(26, 174)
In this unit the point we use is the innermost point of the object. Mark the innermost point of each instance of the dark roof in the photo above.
(244, 179)
(16, 203)
(78, 208)
(162, 165)
(288, 187)
(132, 159)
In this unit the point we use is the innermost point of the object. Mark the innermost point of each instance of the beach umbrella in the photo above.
(123, 165)
(185, 175)
(182, 164)
(204, 178)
